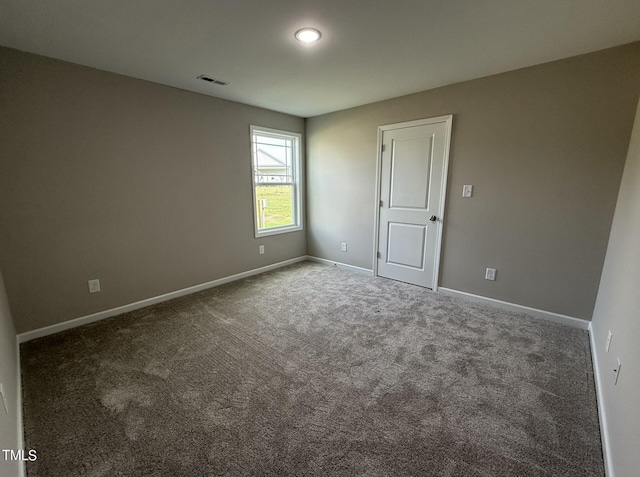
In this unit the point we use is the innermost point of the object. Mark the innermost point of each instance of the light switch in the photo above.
(467, 191)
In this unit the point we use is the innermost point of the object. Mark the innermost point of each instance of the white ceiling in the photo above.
(370, 49)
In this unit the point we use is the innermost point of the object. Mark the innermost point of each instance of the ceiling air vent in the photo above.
(209, 79)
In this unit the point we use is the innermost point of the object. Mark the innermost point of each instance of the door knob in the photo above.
(433, 218)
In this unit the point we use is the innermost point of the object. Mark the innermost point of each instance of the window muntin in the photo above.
(276, 181)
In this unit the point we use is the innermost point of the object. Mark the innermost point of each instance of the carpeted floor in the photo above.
(312, 371)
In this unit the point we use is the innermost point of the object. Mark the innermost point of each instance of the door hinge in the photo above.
(384, 147)
(381, 204)
(379, 255)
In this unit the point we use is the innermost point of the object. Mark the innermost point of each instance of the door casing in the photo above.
(448, 120)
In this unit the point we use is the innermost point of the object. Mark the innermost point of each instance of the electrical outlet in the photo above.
(4, 400)
(343, 246)
(608, 341)
(467, 190)
(94, 286)
(617, 371)
(261, 249)
(490, 274)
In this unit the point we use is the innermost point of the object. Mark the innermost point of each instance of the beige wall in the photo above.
(544, 148)
(9, 438)
(618, 309)
(146, 187)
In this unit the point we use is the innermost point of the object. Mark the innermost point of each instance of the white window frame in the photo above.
(297, 180)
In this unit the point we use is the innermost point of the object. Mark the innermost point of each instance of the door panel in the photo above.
(412, 184)
(406, 245)
(410, 165)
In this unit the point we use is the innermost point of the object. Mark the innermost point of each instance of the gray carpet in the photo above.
(312, 371)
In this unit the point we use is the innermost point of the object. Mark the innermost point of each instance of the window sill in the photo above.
(278, 231)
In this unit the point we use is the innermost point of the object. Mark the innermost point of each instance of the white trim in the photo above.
(376, 211)
(22, 471)
(83, 320)
(602, 415)
(448, 120)
(505, 305)
(344, 266)
(443, 198)
(298, 174)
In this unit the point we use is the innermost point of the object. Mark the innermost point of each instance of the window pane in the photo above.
(274, 207)
(273, 141)
(273, 163)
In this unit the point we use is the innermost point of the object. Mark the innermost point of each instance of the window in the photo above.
(276, 181)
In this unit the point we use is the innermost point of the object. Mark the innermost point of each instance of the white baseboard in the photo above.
(602, 416)
(545, 315)
(22, 471)
(83, 320)
(344, 266)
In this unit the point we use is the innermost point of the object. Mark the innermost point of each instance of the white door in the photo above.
(412, 182)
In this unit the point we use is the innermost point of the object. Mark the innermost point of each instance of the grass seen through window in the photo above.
(279, 209)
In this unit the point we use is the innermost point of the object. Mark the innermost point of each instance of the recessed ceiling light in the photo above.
(308, 35)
